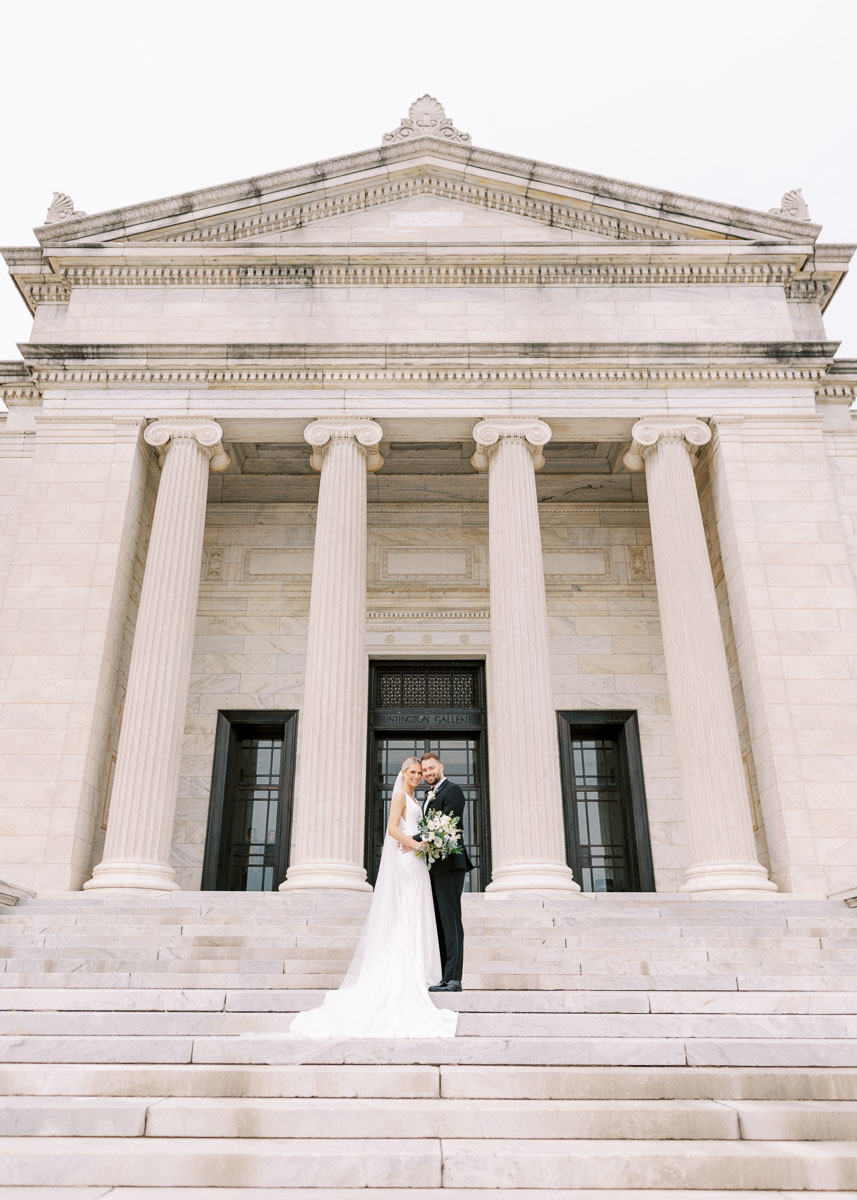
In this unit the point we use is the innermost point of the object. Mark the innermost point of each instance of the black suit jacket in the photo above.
(450, 799)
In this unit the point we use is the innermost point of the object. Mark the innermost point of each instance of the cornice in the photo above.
(213, 206)
(51, 275)
(57, 289)
(840, 383)
(436, 365)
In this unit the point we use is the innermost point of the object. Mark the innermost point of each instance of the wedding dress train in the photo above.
(384, 994)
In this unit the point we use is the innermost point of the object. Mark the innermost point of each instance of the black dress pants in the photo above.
(446, 891)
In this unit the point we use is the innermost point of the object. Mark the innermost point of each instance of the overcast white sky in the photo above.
(118, 103)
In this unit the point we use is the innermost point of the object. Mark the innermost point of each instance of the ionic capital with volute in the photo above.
(531, 432)
(205, 433)
(650, 430)
(365, 432)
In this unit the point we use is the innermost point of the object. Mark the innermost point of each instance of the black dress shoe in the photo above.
(452, 985)
(439, 987)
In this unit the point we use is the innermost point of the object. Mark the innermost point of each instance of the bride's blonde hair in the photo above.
(410, 762)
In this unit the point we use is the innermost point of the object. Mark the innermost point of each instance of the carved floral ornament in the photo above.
(61, 209)
(647, 433)
(426, 118)
(367, 433)
(488, 434)
(206, 434)
(793, 206)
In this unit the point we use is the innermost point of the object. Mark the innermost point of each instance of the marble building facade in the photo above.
(430, 404)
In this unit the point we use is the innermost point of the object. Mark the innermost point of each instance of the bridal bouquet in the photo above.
(440, 836)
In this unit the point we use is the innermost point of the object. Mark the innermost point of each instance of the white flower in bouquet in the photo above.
(439, 834)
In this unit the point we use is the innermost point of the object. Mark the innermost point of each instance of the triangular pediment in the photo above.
(424, 217)
(412, 188)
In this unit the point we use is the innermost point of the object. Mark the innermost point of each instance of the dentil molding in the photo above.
(488, 434)
(647, 433)
(206, 434)
(365, 432)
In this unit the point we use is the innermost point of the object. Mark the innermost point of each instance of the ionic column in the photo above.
(143, 803)
(327, 826)
(527, 834)
(713, 781)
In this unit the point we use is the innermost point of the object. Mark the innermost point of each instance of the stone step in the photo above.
(471, 1082)
(731, 981)
(572, 1051)
(479, 947)
(456, 1163)
(471, 1024)
(419, 1193)
(692, 1120)
(699, 962)
(206, 1000)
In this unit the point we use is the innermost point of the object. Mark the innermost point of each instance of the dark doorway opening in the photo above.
(249, 817)
(604, 798)
(416, 707)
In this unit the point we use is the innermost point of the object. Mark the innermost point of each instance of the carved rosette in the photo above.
(365, 432)
(647, 433)
(427, 118)
(488, 434)
(207, 434)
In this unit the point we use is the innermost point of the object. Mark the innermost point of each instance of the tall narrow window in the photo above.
(607, 833)
(250, 813)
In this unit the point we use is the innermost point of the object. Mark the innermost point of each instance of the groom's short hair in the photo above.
(431, 754)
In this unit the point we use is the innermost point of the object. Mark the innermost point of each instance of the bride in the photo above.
(385, 992)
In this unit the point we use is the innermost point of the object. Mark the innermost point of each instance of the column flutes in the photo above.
(142, 806)
(527, 832)
(713, 780)
(327, 830)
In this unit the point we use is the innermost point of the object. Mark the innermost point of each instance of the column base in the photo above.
(330, 875)
(533, 877)
(725, 880)
(145, 876)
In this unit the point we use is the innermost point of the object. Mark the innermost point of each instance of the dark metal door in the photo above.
(420, 707)
(607, 837)
(250, 813)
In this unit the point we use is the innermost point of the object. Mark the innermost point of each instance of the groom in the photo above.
(447, 875)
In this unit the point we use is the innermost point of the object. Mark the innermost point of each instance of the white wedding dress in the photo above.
(385, 992)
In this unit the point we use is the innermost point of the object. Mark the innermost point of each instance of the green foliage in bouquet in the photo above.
(440, 836)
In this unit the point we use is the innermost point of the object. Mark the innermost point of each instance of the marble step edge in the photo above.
(826, 962)
(452, 1162)
(428, 1082)
(511, 1051)
(84, 1192)
(783, 1026)
(87, 941)
(734, 981)
(256, 1000)
(660, 1120)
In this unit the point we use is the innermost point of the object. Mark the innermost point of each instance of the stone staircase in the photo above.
(608, 1047)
